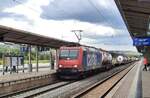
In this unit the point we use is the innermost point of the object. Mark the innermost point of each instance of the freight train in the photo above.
(75, 62)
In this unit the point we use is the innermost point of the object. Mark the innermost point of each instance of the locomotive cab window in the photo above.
(68, 54)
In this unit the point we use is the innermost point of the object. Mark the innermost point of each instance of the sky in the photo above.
(100, 21)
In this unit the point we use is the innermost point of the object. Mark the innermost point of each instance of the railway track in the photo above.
(14, 87)
(68, 91)
(38, 91)
(65, 89)
(103, 87)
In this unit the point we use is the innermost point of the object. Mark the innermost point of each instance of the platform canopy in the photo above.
(8, 34)
(136, 14)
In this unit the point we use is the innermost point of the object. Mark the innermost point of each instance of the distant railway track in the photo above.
(103, 87)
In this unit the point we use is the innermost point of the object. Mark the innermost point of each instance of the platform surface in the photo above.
(18, 76)
(129, 86)
(146, 84)
(136, 84)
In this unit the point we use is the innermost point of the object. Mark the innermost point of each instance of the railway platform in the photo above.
(14, 82)
(21, 76)
(135, 84)
(146, 84)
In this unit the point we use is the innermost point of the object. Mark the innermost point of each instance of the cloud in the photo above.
(94, 11)
(61, 10)
(10, 3)
(56, 18)
(54, 28)
(14, 16)
(22, 10)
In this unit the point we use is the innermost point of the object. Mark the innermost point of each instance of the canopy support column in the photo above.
(30, 65)
(37, 60)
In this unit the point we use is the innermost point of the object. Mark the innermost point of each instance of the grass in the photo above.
(1, 62)
(40, 61)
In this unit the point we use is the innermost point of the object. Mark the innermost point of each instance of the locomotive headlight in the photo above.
(60, 65)
(75, 66)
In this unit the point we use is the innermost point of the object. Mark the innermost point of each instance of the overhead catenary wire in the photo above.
(33, 9)
(61, 11)
(99, 12)
(64, 12)
(19, 2)
(37, 11)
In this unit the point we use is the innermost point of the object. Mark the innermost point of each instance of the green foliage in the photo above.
(5, 49)
(40, 61)
(1, 62)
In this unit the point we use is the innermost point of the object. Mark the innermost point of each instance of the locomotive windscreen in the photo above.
(68, 54)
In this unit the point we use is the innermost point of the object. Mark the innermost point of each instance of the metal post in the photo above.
(10, 64)
(23, 64)
(30, 65)
(56, 59)
(51, 59)
(3, 57)
(79, 37)
(22, 58)
(37, 61)
(17, 63)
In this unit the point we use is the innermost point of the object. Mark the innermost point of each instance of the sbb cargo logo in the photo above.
(91, 59)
